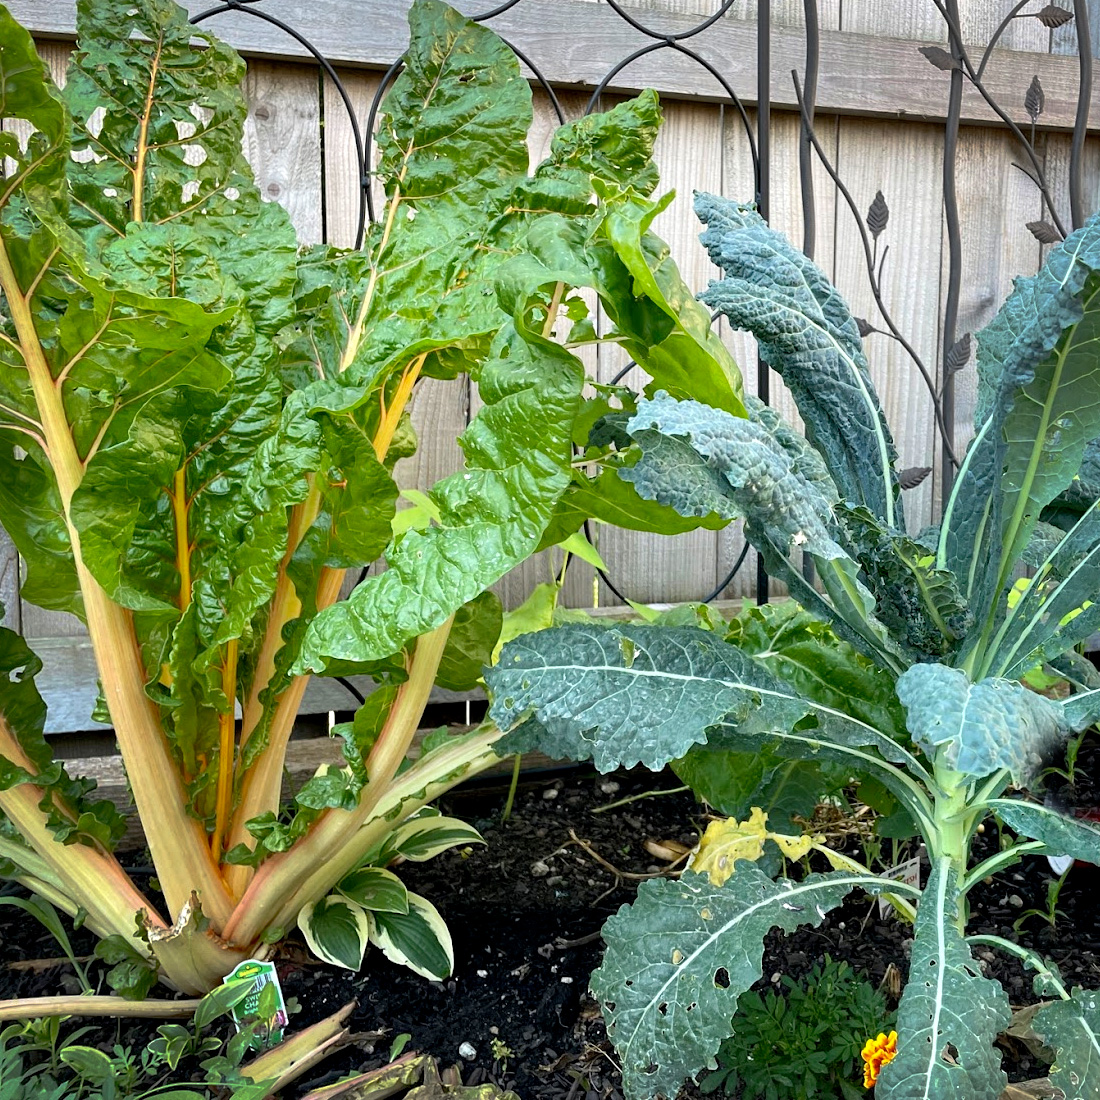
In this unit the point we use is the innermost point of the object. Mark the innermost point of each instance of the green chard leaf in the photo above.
(492, 514)
(949, 1014)
(986, 726)
(681, 955)
(657, 320)
(1072, 1029)
(807, 335)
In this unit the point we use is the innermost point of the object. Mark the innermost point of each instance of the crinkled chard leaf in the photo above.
(681, 955)
(1072, 1029)
(807, 335)
(949, 1014)
(984, 727)
(492, 514)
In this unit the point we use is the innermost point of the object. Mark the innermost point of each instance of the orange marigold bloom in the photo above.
(877, 1053)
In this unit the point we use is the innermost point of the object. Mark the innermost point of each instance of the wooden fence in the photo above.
(880, 116)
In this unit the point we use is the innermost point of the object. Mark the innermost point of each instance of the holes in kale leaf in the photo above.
(722, 978)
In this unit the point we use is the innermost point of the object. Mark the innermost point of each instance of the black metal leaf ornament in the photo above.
(912, 477)
(878, 215)
(957, 357)
(1053, 16)
(940, 57)
(1034, 101)
(1044, 232)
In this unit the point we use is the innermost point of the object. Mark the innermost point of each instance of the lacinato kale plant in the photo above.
(940, 617)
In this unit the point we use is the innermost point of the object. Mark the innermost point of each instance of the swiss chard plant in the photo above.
(199, 424)
(940, 616)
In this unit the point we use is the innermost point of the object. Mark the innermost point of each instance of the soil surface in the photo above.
(525, 912)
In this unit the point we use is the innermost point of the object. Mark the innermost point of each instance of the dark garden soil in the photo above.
(525, 912)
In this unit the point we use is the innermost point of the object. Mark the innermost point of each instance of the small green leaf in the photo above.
(221, 1000)
(88, 1064)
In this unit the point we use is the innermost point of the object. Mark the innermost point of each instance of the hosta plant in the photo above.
(199, 424)
(930, 612)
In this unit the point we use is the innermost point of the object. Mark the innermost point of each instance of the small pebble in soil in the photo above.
(539, 868)
(1015, 901)
(609, 786)
(467, 1051)
(483, 973)
(566, 980)
(550, 794)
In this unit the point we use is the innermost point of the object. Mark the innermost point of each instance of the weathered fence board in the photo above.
(575, 43)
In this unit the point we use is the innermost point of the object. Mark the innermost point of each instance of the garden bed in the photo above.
(525, 913)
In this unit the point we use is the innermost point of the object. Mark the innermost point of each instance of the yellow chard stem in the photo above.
(262, 784)
(177, 842)
(226, 747)
(183, 543)
(288, 880)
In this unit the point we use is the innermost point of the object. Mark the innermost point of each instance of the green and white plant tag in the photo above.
(908, 871)
(264, 1002)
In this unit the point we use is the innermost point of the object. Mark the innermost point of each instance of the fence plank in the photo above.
(282, 141)
(576, 43)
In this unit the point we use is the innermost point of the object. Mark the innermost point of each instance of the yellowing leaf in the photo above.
(725, 842)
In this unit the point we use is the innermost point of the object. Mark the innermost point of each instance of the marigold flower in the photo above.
(877, 1053)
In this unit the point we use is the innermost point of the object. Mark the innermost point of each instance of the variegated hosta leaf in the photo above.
(1072, 1028)
(986, 726)
(624, 694)
(681, 955)
(424, 836)
(805, 333)
(725, 842)
(949, 1014)
(1063, 836)
(375, 889)
(418, 939)
(336, 931)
